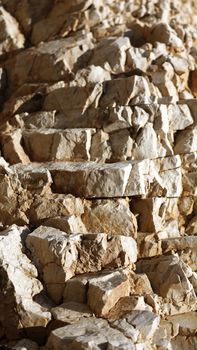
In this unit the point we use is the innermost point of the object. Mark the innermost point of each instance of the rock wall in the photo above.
(98, 181)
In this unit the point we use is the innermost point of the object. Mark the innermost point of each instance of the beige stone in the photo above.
(92, 179)
(120, 117)
(55, 59)
(12, 149)
(126, 305)
(91, 74)
(154, 213)
(146, 144)
(179, 117)
(50, 145)
(68, 224)
(100, 150)
(20, 284)
(54, 205)
(192, 226)
(173, 284)
(111, 54)
(85, 334)
(122, 92)
(183, 341)
(185, 324)
(71, 312)
(11, 37)
(98, 170)
(110, 216)
(62, 19)
(69, 255)
(35, 179)
(14, 199)
(105, 291)
(145, 322)
(26, 13)
(186, 141)
(162, 32)
(121, 145)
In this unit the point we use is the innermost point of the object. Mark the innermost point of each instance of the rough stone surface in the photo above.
(19, 285)
(98, 174)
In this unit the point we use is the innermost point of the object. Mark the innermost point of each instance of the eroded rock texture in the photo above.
(98, 181)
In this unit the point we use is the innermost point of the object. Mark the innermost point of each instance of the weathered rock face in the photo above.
(98, 184)
(19, 285)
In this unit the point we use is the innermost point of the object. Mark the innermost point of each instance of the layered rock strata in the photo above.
(98, 180)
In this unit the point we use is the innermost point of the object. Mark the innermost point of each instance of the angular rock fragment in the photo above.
(13, 150)
(53, 250)
(111, 55)
(172, 284)
(146, 144)
(27, 13)
(92, 179)
(186, 141)
(19, 285)
(50, 61)
(54, 205)
(11, 38)
(110, 216)
(51, 145)
(71, 312)
(155, 214)
(68, 224)
(105, 291)
(35, 179)
(144, 322)
(85, 334)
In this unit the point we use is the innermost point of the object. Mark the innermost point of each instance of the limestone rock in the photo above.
(193, 82)
(55, 59)
(110, 216)
(165, 34)
(98, 170)
(154, 214)
(184, 324)
(85, 334)
(100, 148)
(91, 179)
(130, 91)
(69, 224)
(143, 321)
(146, 144)
(75, 254)
(12, 149)
(11, 38)
(91, 74)
(104, 292)
(71, 312)
(27, 13)
(181, 341)
(192, 226)
(35, 179)
(19, 285)
(186, 141)
(111, 55)
(173, 284)
(54, 205)
(179, 117)
(73, 144)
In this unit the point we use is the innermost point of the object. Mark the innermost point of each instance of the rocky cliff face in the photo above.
(98, 181)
